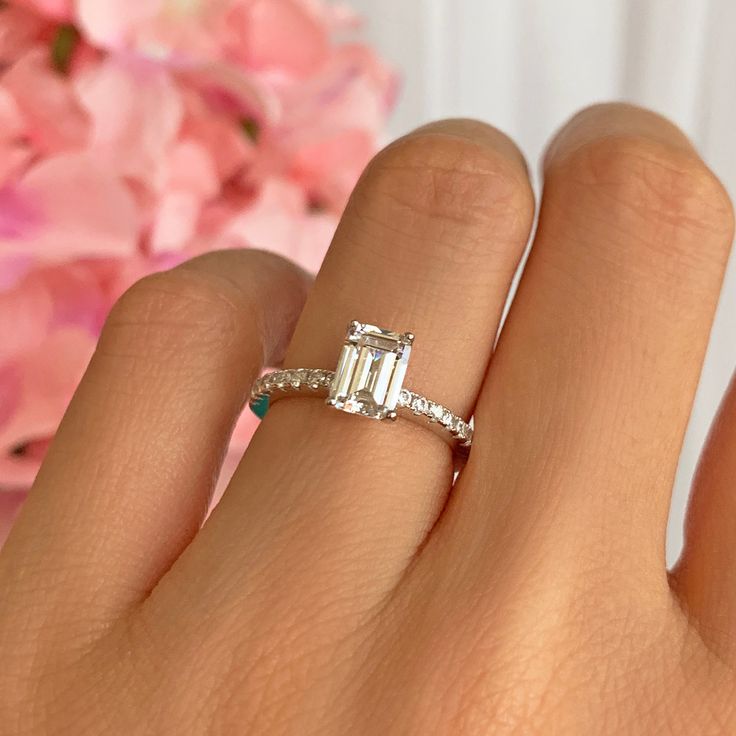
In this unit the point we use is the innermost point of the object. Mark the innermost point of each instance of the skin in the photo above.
(342, 586)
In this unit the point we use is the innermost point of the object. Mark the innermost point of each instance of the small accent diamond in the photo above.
(419, 405)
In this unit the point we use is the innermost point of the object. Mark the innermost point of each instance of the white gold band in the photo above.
(306, 381)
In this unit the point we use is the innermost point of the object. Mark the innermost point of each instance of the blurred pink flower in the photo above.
(137, 133)
(61, 10)
(20, 29)
(51, 317)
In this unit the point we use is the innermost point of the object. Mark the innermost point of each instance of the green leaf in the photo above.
(251, 128)
(63, 46)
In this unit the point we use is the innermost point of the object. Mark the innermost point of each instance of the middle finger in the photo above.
(596, 369)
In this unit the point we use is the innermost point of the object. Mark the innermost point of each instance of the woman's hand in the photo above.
(342, 586)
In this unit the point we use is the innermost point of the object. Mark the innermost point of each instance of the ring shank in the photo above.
(317, 382)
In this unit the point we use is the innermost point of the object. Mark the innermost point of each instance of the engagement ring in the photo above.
(368, 381)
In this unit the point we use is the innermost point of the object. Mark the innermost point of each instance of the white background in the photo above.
(527, 65)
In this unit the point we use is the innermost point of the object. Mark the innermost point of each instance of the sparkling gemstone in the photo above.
(320, 378)
(370, 372)
(437, 411)
(420, 405)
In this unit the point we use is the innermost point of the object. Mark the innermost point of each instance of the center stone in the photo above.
(370, 372)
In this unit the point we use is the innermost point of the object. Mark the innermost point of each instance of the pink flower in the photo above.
(50, 320)
(20, 30)
(135, 112)
(52, 116)
(280, 36)
(279, 220)
(137, 133)
(154, 28)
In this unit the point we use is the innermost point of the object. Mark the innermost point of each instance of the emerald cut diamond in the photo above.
(370, 372)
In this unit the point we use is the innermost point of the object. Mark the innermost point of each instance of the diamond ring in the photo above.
(368, 381)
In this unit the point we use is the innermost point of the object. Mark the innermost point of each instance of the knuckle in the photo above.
(176, 310)
(642, 182)
(433, 185)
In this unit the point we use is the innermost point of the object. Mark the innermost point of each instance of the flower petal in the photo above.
(85, 210)
(136, 112)
(278, 35)
(110, 23)
(53, 119)
(175, 222)
(19, 30)
(57, 10)
(229, 150)
(329, 167)
(191, 169)
(48, 376)
(278, 220)
(25, 313)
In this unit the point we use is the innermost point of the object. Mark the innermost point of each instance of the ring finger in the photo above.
(429, 244)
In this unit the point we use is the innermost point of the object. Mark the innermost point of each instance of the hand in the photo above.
(342, 586)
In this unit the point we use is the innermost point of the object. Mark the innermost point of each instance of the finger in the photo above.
(128, 478)
(705, 576)
(587, 401)
(429, 244)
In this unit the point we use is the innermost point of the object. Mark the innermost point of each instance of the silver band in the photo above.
(306, 381)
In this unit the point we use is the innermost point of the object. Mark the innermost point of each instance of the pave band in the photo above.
(305, 381)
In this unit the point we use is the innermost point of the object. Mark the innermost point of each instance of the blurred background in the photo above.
(527, 65)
